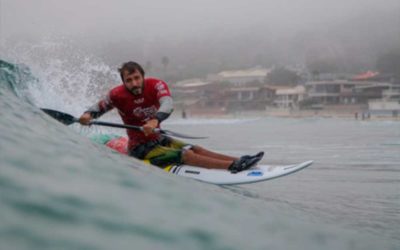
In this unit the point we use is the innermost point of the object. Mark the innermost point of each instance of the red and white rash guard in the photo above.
(134, 109)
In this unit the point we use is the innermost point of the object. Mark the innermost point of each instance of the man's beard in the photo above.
(136, 91)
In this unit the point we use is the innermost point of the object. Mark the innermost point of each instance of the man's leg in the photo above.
(204, 152)
(174, 143)
(190, 157)
(164, 156)
(200, 157)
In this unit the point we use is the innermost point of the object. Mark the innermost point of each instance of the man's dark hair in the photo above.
(130, 67)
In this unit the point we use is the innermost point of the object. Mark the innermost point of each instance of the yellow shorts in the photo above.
(164, 152)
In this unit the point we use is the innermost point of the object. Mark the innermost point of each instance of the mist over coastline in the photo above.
(205, 37)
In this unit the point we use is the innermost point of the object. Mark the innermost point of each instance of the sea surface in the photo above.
(59, 190)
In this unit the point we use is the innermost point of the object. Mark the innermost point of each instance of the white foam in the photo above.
(69, 80)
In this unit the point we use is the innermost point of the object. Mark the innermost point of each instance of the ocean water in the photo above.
(58, 190)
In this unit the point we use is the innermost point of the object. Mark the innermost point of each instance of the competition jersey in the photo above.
(134, 109)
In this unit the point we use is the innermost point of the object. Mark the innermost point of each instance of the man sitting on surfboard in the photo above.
(147, 102)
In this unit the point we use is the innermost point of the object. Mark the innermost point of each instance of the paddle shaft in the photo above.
(115, 125)
(68, 119)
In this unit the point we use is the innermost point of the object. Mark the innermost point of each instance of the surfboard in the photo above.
(257, 173)
(223, 177)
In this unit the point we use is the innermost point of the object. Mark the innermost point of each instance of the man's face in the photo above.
(133, 82)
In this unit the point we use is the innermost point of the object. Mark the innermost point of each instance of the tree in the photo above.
(321, 66)
(389, 63)
(148, 66)
(282, 76)
(165, 62)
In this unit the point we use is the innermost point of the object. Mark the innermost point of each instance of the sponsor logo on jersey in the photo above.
(145, 112)
(159, 86)
(138, 101)
(162, 92)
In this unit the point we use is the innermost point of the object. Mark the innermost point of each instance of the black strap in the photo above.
(161, 116)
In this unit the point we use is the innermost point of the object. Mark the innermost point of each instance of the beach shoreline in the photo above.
(293, 114)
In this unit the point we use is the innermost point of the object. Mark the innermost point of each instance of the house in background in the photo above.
(246, 98)
(245, 90)
(199, 97)
(344, 91)
(330, 92)
(240, 77)
(389, 104)
(289, 97)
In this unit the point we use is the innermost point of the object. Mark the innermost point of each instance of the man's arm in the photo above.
(97, 110)
(165, 110)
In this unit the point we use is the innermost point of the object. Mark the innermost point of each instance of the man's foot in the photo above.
(258, 155)
(243, 164)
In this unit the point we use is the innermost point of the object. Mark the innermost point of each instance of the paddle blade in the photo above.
(65, 118)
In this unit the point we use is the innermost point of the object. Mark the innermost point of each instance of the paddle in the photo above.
(68, 119)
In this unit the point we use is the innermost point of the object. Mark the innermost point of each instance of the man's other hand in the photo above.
(149, 127)
(85, 118)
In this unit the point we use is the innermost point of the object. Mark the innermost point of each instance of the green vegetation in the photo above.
(282, 76)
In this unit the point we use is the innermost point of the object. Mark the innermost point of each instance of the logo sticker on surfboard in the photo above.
(255, 173)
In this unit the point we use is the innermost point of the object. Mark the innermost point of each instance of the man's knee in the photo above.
(197, 149)
(187, 154)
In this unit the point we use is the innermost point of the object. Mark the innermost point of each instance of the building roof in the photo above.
(244, 89)
(191, 83)
(253, 72)
(328, 82)
(298, 90)
(276, 87)
(365, 75)
(369, 85)
(195, 84)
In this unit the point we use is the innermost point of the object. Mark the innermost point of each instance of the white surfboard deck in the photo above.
(224, 177)
(216, 176)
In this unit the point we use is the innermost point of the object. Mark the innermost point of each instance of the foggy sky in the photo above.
(175, 18)
(228, 31)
